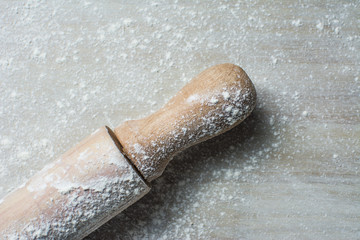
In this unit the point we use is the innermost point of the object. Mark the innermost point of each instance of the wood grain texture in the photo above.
(213, 102)
(74, 195)
(290, 171)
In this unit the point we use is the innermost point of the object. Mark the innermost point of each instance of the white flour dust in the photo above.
(288, 172)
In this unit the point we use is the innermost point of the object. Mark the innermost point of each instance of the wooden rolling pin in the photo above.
(109, 171)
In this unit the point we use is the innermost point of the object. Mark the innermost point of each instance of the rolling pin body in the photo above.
(107, 172)
(71, 197)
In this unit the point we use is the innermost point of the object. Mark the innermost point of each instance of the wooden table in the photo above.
(291, 171)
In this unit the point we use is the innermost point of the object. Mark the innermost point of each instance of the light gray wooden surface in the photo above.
(291, 171)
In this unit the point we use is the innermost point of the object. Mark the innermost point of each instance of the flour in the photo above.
(6, 142)
(226, 95)
(213, 101)
(85, 51)
(37, 186)
(204, 116)
(229, 108)
(84, 188)
(192, 98)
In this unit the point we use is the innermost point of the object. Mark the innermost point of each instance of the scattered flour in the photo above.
(277, 163)
(226, 95)
(192, 98)
(83, 198)
(296, 23)
(213, 100)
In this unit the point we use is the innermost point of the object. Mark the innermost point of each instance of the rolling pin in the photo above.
(110, 170)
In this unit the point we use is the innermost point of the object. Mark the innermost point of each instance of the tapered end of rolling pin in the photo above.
(213, 102)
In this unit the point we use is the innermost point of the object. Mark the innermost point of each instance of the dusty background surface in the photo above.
(291, 171)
